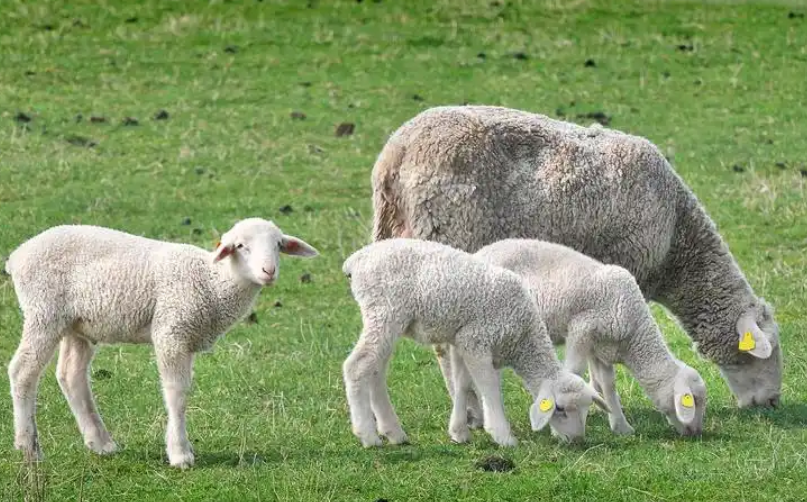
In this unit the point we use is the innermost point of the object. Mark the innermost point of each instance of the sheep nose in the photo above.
(270, 272)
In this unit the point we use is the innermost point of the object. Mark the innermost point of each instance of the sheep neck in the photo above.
(232, 289)
(535, 362)
(705, 288)
(649, 358)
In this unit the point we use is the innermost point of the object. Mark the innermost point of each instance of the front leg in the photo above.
(175, 366)
(604, 374)
(487, 380)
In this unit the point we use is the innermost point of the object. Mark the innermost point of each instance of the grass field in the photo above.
(720, 88)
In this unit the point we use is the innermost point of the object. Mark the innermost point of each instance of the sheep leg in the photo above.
(387, 422)
(72, 373)
(605, 375)
(176, 372)
(487, 380)
(33, 354)
(359, 371)
(458, 424)
(575, 361)
(474, 409)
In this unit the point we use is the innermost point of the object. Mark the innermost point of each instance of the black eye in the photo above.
(239, 246)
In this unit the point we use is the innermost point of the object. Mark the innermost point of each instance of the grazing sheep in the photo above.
(84, 285)
(599, 312)
(433, 293)
(468, 176)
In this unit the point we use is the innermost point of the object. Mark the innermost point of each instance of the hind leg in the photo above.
(72, 372)
(38, 343)
(387, 421)
(364, 374)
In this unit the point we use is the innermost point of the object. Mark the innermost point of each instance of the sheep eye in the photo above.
(239, 246)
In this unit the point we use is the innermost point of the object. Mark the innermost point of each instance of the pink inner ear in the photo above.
(292, 245)
(225, 252)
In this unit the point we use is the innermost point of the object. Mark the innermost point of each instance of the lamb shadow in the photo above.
(206, 459)
(786, 416)
(236, 459)
(387, 454)
(650, 423)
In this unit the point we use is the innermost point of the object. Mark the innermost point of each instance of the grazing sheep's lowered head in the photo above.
(253, 248)
(563, 403)
(682, 399)
(755, 373)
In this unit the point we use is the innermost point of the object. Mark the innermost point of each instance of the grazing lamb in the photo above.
(599, 312)
(468, 176)
(433, 293)
(84, 285)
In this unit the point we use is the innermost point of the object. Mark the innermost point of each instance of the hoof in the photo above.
(370, 441)
(397, 437)
(622, 429)
(103, 447)
(182, 461)
(460, 435)
(507, 441)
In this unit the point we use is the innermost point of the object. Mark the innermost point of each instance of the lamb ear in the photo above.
(541, 411)
(752, 339)
(598, 399)
(222, 251)
(684, 403)
(294, 246)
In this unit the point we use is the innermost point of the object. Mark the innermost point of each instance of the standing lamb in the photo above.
(468, 176)
(433, 293)
(84, 285)
(599, 312)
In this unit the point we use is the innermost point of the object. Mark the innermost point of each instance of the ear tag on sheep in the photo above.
(545, 405)
(747, 343)
(687, 401)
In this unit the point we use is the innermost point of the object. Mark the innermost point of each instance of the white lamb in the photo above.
(599, 312)
(85, 285)
(433, 294)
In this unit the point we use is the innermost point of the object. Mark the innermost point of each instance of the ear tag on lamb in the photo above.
(218, 243)
(687, 401)
(747, 343)
(545, 405)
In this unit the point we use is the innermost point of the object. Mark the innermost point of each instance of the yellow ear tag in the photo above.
(218, 243)
(545, 405)
(687, 401)
(747, 343)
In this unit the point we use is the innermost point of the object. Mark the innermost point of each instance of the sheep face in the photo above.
(683, 402)
(253, 248)
(563, 403)
(756, 375)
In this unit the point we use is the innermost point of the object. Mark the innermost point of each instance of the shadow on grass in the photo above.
(786, 416)
(649, 425)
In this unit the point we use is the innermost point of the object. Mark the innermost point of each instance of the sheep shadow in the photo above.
(649, 423)
(786, 416)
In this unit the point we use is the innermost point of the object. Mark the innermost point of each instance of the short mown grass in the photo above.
(720, 87)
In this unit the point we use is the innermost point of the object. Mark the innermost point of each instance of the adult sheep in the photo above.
(468, 176)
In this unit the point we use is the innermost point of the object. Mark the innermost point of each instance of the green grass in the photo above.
(267, 416)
